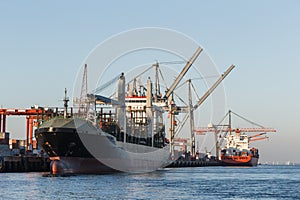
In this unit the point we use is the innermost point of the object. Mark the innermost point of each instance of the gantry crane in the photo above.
(216, 129)
(32, 116)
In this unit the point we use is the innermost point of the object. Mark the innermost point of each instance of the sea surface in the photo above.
(262, 182)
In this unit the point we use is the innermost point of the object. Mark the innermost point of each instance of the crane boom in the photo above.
(104, 86)
(257, 135)
(183, 72)
(204, 97)
(255, 139)
(257, 130)
(202, 131)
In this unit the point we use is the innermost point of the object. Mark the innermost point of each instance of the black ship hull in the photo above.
(89, 150)
(68, 154)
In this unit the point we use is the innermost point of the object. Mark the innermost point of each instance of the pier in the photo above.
(24, 155)
(24, 164)
(194, 163)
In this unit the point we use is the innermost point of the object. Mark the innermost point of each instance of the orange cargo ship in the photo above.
(237, 151)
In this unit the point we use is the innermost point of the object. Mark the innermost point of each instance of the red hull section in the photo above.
(239, 160)
(78, 165)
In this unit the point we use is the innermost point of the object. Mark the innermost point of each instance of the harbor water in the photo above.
(261, 182)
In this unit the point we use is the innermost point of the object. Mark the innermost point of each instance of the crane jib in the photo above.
(183, 72)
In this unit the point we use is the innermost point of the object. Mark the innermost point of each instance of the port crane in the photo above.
(227, 129)
(32, 115)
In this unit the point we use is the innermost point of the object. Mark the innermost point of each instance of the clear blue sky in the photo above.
(42, 44)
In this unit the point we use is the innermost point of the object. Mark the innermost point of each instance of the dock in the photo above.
(24, 164)
(194, 163)
(15, 156)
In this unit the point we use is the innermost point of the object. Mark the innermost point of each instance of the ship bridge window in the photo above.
(136, 101)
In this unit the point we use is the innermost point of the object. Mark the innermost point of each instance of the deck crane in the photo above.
(99, 89)
(183, 72)
(200, 101)
(213, 87)
(83, 93)
(169, 95)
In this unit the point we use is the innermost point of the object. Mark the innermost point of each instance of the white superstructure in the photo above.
(239, 141)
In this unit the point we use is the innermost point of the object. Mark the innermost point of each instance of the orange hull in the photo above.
(232, 160)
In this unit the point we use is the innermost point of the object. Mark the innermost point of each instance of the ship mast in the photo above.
(66, 100)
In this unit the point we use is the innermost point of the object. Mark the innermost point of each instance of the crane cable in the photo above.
(105, 85)
(251, 122)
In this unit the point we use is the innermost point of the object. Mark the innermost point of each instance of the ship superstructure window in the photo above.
(136, 101)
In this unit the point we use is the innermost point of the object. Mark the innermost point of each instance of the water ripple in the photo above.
(262, 182)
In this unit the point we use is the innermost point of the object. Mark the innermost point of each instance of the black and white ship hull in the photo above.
(76, 146)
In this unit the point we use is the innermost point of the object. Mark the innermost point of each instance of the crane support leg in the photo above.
(0, 122)
(4, 123)
(30, 132)
(27, 132)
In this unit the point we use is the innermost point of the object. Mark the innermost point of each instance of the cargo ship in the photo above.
(237, 151)
(124, 134)
(234, 144)
(123, 131)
